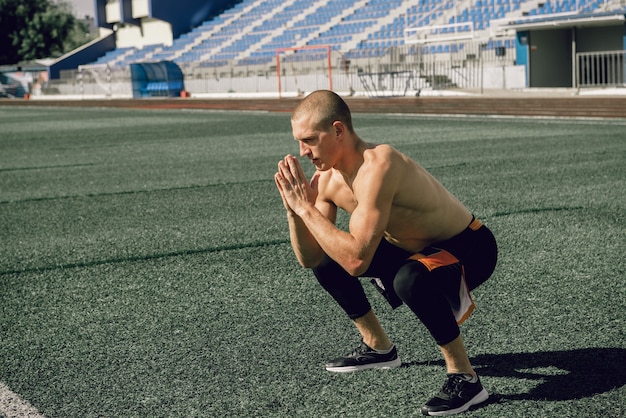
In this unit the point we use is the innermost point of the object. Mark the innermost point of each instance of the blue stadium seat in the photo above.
(256, 25)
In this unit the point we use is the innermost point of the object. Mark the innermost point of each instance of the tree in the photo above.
(32, 29)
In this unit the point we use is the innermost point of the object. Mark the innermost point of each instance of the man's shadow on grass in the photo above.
(560, 375)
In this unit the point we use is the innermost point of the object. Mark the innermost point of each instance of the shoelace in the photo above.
(362, 348)
(452, 387)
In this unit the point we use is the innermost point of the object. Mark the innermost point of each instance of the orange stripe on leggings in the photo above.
(433, 261)
(475, 224)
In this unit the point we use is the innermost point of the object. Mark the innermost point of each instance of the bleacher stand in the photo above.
(252, 30)
(246, 36)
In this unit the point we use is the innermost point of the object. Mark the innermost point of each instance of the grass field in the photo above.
(145, 269)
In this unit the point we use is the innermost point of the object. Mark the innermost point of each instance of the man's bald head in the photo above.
(324, 107)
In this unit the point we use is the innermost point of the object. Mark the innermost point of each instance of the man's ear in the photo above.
(339, 128)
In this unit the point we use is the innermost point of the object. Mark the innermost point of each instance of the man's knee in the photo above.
(408, 279)
(420, 289)
(344, 288)
(327, 271)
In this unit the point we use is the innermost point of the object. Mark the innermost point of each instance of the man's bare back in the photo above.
(422, 210)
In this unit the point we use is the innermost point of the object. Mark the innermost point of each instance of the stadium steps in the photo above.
(380, 23)
(453, 11)
(248, 28)
(116, 57)
(206, 31)
(484, 14)
(214, 29)
(123, 57)
(522, 105)
(302, 32)
(332, 22)
(157, 50)
(278, 31)
(267, 38)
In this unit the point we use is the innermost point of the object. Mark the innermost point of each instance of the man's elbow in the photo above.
(310, 262)
(356, 267)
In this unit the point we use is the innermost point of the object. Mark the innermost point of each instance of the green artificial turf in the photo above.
(145, 269)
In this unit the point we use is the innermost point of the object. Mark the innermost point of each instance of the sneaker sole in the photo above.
(480, 397)
(382, 365)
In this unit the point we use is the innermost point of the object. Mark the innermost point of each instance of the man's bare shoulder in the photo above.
(384, 151)
(327, 184)
(384, 161)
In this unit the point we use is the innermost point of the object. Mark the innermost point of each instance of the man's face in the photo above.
(317, 145)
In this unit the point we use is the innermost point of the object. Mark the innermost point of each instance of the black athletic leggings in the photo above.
(409, 281)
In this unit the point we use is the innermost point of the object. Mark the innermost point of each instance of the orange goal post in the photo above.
(300, 61)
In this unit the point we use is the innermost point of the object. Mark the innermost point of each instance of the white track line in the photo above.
(12, 406)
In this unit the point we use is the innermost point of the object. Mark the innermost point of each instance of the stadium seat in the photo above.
(255, 29)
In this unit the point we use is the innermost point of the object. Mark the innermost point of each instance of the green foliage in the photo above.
(34, 29)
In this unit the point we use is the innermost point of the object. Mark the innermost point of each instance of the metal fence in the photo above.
(601, 69)
(404, 70)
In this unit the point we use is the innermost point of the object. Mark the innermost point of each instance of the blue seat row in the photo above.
(476, 16)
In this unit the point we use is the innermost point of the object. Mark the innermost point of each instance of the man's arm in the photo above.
(306, 248)
(355, 249)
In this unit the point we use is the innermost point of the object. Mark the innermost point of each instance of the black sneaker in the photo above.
(363, 357)
(456, 396)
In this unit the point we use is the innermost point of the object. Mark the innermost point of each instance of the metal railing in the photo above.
(465, 66)
(470, 67)
(601, 69)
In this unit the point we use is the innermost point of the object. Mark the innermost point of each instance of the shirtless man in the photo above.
(418, 242)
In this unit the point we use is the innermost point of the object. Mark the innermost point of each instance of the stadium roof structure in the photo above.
(27, 66)
(566, 20)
